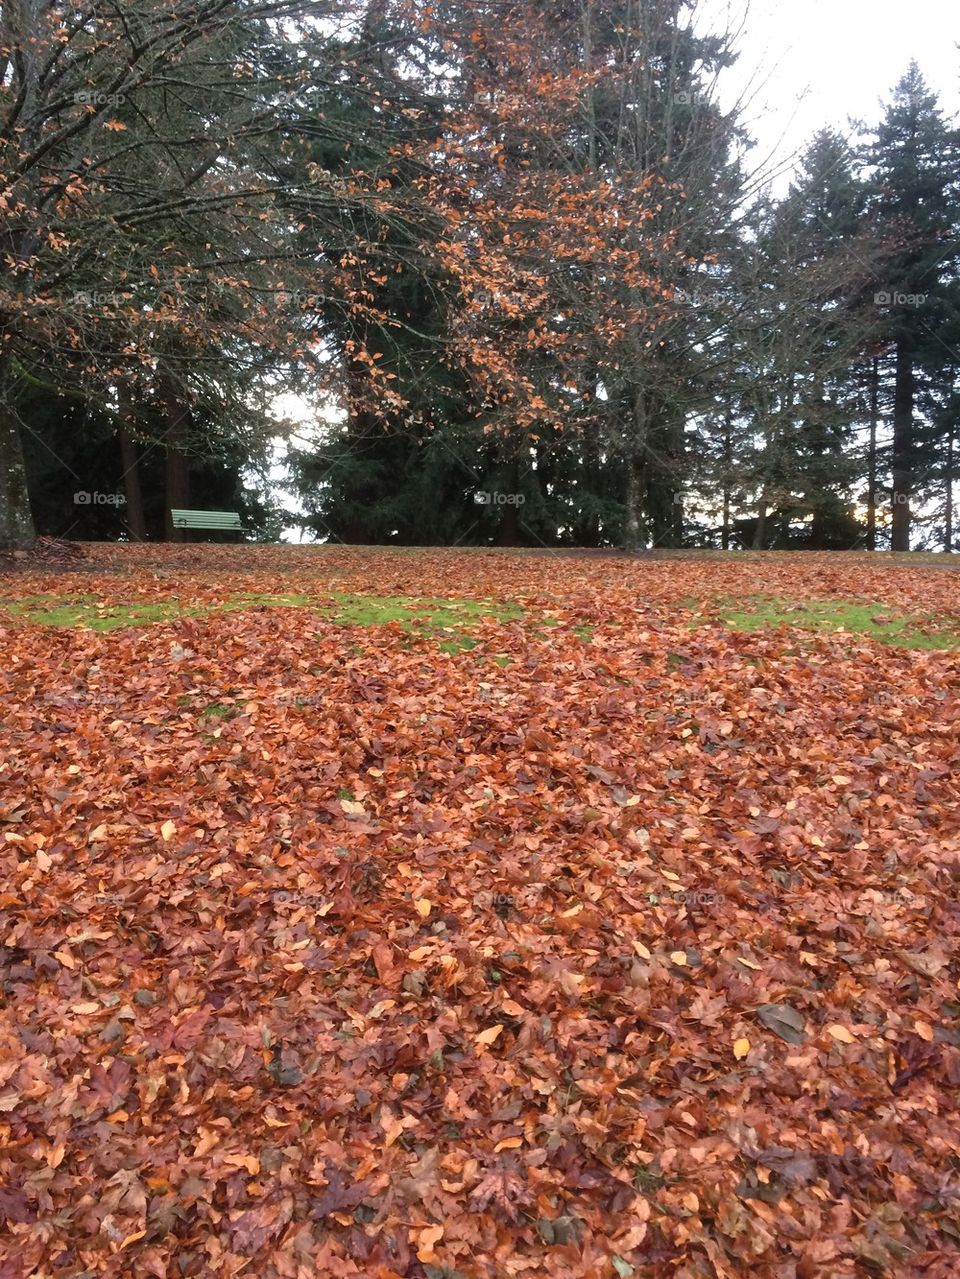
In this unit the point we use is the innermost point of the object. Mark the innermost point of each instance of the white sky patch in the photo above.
(310, 424)
(809, 64)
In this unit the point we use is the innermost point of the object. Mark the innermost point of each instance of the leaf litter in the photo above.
(634, 952)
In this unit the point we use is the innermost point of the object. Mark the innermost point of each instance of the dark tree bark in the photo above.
(508, 532)
(130, 460)
(904, 393)
(872, 456)
(177, 420)
(636, 474)
(727, 468)
(760, 533)
(16, 519)
(948, 521)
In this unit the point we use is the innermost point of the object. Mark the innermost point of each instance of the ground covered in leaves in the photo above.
(450, 915)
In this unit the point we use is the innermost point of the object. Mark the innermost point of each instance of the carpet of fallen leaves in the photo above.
(620, 944)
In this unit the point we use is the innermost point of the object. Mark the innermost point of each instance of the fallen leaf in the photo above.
(379, 1009)
(783, 1021)
(426, 1240)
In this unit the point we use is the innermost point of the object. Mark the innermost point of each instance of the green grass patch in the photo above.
(248, 599)
(875, 621)
(409, 611)
(217, 710)
(84, 611)
(450, 621)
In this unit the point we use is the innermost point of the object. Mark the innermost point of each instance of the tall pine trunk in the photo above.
(948, 522)
(903, 399)
(727, 469)
(508, 532)
(872, 456)
(176, 417)
(130, 461)
(760, 533)
(636, 472)
(16, 519)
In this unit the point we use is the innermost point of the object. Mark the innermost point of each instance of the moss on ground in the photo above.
(875, 621)
(449, 620)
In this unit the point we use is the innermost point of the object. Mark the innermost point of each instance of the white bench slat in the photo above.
(206, 519)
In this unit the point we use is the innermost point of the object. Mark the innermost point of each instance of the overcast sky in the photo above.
(818, 62)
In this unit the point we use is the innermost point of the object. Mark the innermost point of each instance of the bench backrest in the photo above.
(206, 519)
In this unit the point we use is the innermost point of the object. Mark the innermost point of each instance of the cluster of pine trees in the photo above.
(519, 255)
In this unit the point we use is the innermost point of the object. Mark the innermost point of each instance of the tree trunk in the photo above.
(636, 470)
(587, 529)
(727, 467)
(631, 522)
(872, 456)
(760, 533)
(16, 519)
(176, 416)
(130, 461)
(508, 533)
(948, 521)
(902, 448)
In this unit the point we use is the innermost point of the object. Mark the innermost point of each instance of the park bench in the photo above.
(225, 521)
